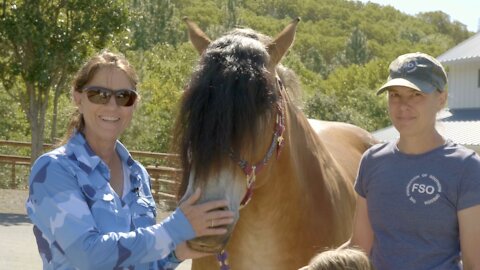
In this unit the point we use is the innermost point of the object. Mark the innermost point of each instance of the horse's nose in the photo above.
(213, 243)
(209, 244)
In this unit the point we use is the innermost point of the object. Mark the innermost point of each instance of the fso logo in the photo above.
(410, 66)
(424, 188)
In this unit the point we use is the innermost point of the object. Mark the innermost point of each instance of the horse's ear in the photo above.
(279, 46)
(198, 38)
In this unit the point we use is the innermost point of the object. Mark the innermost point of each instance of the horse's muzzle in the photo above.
(211, 244)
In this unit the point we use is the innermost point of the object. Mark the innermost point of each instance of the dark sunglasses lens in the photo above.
(125, 97)
(98, 96)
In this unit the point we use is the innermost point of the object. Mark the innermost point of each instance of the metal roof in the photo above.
(467, 50)
(472, 114)
(462, 126)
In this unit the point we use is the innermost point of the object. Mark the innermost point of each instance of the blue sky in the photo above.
(464, 11)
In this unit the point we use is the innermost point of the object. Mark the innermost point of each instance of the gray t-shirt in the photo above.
(413, 202)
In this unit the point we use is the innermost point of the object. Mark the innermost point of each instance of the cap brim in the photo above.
(416, 85)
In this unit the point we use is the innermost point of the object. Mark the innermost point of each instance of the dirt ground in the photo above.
(13, 201)
(18, 249)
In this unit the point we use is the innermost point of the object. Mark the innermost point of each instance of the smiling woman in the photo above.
(91, 202)
(107, 118)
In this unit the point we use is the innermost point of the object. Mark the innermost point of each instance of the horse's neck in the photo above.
(313, 161)
(300, 203)
(306, 149)
(297, 179)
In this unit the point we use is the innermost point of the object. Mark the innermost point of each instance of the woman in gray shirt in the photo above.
(419, 197)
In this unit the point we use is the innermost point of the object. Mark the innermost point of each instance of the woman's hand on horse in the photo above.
(207, 218)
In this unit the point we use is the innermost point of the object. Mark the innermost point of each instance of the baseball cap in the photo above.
(418, 71)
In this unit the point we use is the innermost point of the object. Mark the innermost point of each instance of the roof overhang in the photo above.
(457, 61)
(462, 126)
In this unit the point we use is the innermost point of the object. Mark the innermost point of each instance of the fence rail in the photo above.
(162, 167)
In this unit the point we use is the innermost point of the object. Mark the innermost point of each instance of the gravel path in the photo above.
(18, 249)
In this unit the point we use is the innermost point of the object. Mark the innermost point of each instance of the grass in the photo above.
(14, 176)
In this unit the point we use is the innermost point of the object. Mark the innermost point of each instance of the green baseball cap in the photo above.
(418, 71)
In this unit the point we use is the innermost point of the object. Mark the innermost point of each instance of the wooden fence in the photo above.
(162, 167)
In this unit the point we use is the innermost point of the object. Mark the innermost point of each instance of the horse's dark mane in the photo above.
(228, 94)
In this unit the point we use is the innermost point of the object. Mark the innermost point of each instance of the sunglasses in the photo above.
(102, 95)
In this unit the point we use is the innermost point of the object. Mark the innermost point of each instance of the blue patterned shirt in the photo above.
(81, 223)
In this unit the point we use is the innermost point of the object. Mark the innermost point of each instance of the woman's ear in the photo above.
(137, 102)
(443, 99)
(77, 99)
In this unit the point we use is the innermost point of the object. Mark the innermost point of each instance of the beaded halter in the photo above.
(251, 171)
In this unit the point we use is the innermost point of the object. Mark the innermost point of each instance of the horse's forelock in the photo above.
(229, 92)
(252, 34)
(286, 75)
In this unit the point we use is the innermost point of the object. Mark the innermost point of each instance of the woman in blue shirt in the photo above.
(91, 203)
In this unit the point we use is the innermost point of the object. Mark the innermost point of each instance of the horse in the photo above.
(241, 136)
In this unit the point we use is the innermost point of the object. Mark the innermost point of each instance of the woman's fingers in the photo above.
(207, 218)
(214, 223)
(194, 197)
(213, 205)
(219, 214)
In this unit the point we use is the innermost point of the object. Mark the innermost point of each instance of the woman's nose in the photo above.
(404, 103)
(112, 101)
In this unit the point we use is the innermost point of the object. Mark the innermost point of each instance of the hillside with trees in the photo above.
(340, 55)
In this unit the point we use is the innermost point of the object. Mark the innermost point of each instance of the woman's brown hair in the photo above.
(341, 259)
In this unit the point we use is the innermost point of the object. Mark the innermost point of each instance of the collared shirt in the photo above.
(81, 223)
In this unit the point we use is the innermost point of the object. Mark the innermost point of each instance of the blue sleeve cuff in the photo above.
(172, 257)
(169, 263)
(178, 227)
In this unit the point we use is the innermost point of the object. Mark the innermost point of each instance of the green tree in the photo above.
(442, 24)
(356, 51)
(167, 70)
(46, 41)
(314, 60)
(323, 106)
(152, 22)
(232, 14)
(13, 125)
(348, 95)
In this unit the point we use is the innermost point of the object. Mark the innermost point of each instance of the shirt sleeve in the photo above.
(56, 205)
(469, 189)
(169, 263)
(360, 182)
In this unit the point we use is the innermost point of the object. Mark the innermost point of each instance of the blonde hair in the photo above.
(340, 259)
(103, 59)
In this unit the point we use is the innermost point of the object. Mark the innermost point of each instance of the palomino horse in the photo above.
(237, 111)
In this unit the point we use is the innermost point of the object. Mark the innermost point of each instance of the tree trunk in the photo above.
(58, 92)
(37, 140)
(36, 116)
(53, 131)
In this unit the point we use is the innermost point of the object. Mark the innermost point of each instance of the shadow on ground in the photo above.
(13, 219)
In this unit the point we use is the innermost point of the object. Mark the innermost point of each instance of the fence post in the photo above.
(13, 184)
